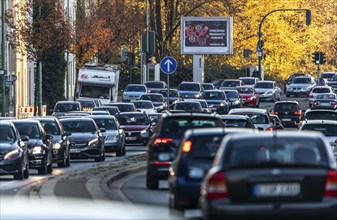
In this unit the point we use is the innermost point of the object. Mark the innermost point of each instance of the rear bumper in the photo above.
(159, 170)
(186, 193)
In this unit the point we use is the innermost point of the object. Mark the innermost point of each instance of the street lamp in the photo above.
(259, 50)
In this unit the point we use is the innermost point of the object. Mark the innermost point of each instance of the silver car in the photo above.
(318, 90)
(268, 90)
(133, 92)
(301, 85)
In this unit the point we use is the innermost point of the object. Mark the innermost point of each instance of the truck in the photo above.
(98, 83)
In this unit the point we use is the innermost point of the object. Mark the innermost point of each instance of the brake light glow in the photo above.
(269, 129)
(298, 112)
(333, 103)
(162, 140)
(311, 95)
(217, 187)
(162, 163)
(186, 147)
(274, 112)
(331, 184)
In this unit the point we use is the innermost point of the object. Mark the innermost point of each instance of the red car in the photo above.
(249, 96)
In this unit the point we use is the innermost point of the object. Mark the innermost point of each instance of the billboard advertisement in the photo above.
(206, 35)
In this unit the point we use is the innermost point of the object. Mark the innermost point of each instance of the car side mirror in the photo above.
(66, 133)
(24, 138)
(102, 130)
(49, 137)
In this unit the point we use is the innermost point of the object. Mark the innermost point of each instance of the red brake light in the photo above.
(216, 187)
(311, 95)
(333, 103)
(162, 140)
(298, 112)
(331, 184)
(186, 147)
(274, 112)
(269, 129)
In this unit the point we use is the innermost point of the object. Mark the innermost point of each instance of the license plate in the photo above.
(325, 104)
(286, 119)
(75, 150)
(130, 138)
(276, 189)
(55, 152)
(164, 156)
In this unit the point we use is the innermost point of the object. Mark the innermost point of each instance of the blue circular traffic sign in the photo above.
(168, 65)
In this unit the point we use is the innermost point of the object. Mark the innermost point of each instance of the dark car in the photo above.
(173, 95)
(13, 152)
(190, 90)
(318, 114)
(113, 110)
(60, 140)
(86, 139)
(153, 86)
(194, 159)
(136, 126)
(87, 104)
(233, 98)
(208, 86)
(238, 121)
(187, 106)
(157, 100)
(113, 134)
(333, 83)
(40, 146)
(123, 106)
(217, 101)
(231, 84)
(164, 143)
(289, 112)
(62, 107)
(271, 175)
(325, 101)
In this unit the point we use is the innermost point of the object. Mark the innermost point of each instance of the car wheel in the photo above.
(20, 174)
(173, 204)
(151, 182)
(63, 163)
(43, 168)
(50, 167)
(124, 151)
(68, 161)
(119, 152)
(103, 156)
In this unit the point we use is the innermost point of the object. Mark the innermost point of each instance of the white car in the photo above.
(318, 90)
(144, 106)
(268, 90)
(133, 92)
(301, 85)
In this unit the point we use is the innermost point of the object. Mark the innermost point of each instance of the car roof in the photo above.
(245, 86)
(121, 103)
(131, 113)
(26, 121)
(189, 114)
(5, 122)
(266, 81)
(320, 110)
(214, 130)
(67, 101)
(100, 116)
(213, 90)
(186, 82)
(76, 119)
(286, 102)
(234, 117)
(253, 110)
(320, 121)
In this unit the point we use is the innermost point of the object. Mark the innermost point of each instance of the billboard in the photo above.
(206, 35)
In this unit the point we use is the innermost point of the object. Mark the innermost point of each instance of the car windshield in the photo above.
(282, 151)
(248, 81)
(27, 129)
(108, 124)
(125, 108)
(66, 107)
(173, 93)
(264, 85)
(144, 105)
(87, 104)
(153, 98)
(158, 85)
(6, 134)
(135, 89)
(321, 115)
(300, 80)
(99, 92)
(326, 129)
(327, 75)
(334, 78)
(230, 83)
(205, 147)
(188, 106)
(51, 127)
(207, 86)
(286, 107)
(326, 96)
(112, 111)
(78, 126)
(133, 119)
(232, 94)
(214, 96)
(255, 117)
(245, 90)
(189, 87)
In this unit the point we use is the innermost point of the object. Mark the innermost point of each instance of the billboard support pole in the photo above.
(198, 68)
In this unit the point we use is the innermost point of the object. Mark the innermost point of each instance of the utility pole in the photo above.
(3, 78)
(67, 73)
(147, 41)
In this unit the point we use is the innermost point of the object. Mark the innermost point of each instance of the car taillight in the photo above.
(311, 95)
(298, 112)
(162, 140)
(274, 112)
(217, 187)
(269, 129)
(333, 103)
(331, 184)
(186, 147)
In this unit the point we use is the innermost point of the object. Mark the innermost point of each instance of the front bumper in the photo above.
(249, 103)
(36, 160)
(298, 93)
(10, 166)
(85, 152)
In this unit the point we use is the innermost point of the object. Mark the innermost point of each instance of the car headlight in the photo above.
(112, 137)
(56, 146)
(12, 154)
(306, 88)
(195, 172)
(93, 142)
(236, 102)
(37, 150)
(222, 104)
(144, 131)
(197, 95)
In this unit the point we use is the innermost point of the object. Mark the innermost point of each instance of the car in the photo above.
(217, 83)
(152, 86)
(62, 107)
(136, 126)
(163, 145)
(320, 114)
(277, 122)
(123, 106)
(233, 98)
(157, 100)
(249, 81)
(317, 90)
(7, 118)
(301, 86)
(86, 140)
(238, 121)
(326, 76)
(187, 106)
(113, 110)
(40, 147)
(190, 90)
(144, 106)
(133, 92)
(173, 95)
(268, 91)
(327, 127)
(260, 117)
(96, 112)
(217, 101)
(231, 84)
(333, 83)
(208, 86)
(203, 104)
(325, 101)
(289, 112)
(114, 136)
(87, 104)
(13, 152)
(194, 159)
(60, 141)
(296, 172)
(249, 97)
(290, 79)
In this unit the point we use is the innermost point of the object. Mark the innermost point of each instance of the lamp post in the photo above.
(259, 49)
(3, 76)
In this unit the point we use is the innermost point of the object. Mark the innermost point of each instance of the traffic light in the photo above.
(322, 58)
(315, 57)
(148, 58)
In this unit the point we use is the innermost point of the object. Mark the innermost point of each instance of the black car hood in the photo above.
(34, 142)
(6, 147)
(82, 136)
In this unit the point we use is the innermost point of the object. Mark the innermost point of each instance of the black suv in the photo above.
(289, 112)
(164, 143)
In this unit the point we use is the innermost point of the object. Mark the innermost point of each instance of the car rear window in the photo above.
(326, 129)
(133, 119)
(30, 130)
(321, 90)
(78, 126)
(280, 152)
(205, 147)
(321, 115)
(108, 124)
(189, 87)
(287, 107)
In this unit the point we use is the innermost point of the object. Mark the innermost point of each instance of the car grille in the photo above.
(132, 133)
(81, 143)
